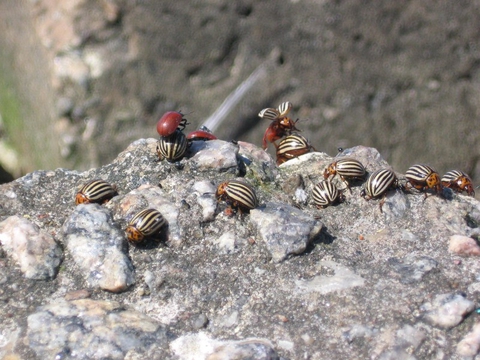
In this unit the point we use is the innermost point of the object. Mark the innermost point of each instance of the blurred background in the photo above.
(81, 79)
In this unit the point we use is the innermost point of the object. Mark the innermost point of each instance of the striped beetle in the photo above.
(292, 146)
(172, 147)
(95, 191)
(145, 223)
(458, 181)
(423, 177)
(170, 122)
(280, 126)
(346, 168)
(238, 195)
(378, 184)
(325, 193)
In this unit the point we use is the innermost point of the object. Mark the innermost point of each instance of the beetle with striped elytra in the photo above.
(347, 168)
(458, 181)
(423, 178)
(173, 147)
(291, 147)
(144, 224)
(378, 184)
(281, 124)
(325, 193)
(95, 191)
(239, 195)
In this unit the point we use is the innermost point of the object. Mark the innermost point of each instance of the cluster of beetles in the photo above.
(240, 196)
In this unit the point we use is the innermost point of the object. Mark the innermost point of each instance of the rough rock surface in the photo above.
(287, 281)
(401, 77)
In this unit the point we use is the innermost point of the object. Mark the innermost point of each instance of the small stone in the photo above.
(447, 310)
(412, 268)
(33, 249)
(285, 229)
(342, 279)
(470, 344)
(77, 294)
(206, 199)
(99, 248)
(226, 242)
(217, 155)
(200, 321)
(463, 246)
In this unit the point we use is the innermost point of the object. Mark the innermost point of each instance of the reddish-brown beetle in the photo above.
(169, 122)
(201, 135)
(280, 126)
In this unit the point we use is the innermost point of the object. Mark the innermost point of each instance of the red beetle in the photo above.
(280, 126)
(201, 135)
(169, 122)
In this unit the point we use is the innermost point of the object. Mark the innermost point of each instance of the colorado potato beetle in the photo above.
(458, 181)
(347, 169)
(170, 122)
(325, 193)
(280, 126)
(378, 184)
(95, 191)
(239, 195)
(146, 223)
(173, 147)
(292, 146)
(423, 177)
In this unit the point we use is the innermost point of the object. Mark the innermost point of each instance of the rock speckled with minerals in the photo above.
(285, 281)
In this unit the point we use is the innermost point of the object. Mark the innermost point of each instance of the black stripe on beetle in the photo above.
(95, 191)
(145, 223)
(292, 146)
(423, 177)
(378, 184)
(458, 181)
(238, 195)
(325, 193)
(173, 147)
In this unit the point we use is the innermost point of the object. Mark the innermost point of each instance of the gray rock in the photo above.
(33, 249)
(93, 329)
(447, 310)
(412, 268)
(285, 229)
(98, 247)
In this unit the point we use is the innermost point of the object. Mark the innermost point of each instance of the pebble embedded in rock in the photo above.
(447, 310)
(412, 268)
(99, 248)
(91, 329)
(470, 344)
(33, 249)
(201, 346)
(343, 279)
(205, 191)
(217, 155)
(463, 246)
(285, 229)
